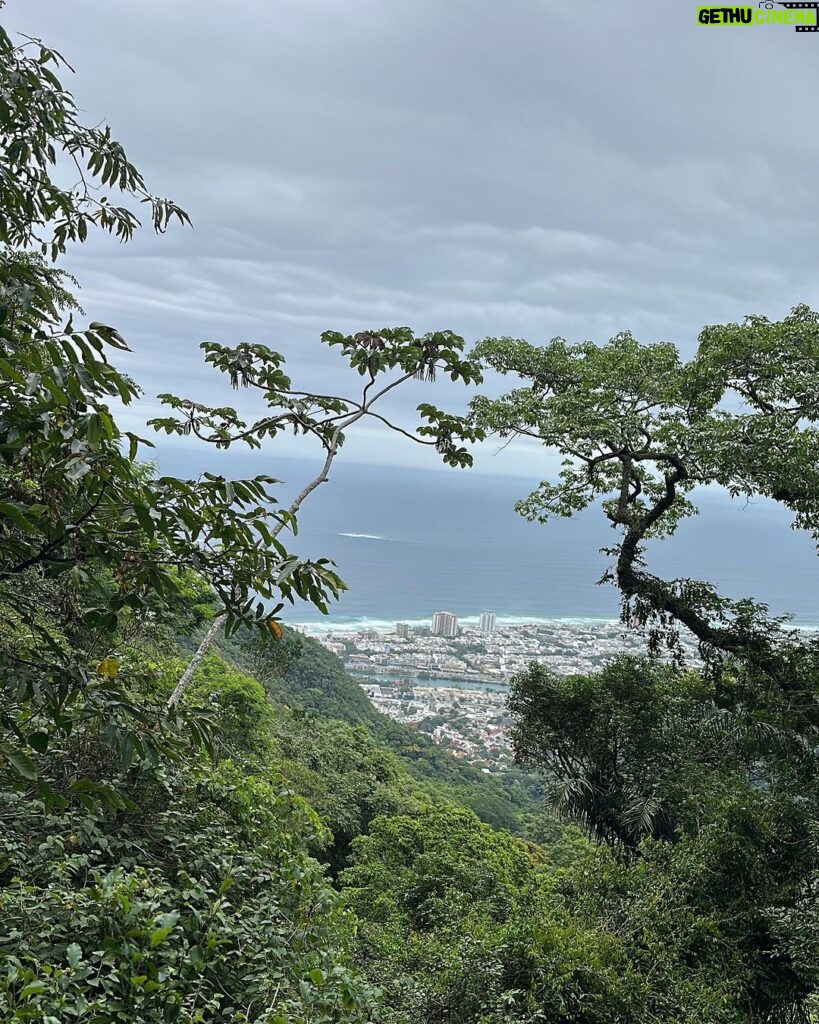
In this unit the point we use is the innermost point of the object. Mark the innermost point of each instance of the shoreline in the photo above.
(565, 645)
(383, 625)
(387, 626)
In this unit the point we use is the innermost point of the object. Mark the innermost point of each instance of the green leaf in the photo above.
(13, 513)
(57, 393)
(144, 518)
(38, 741)
(22, 763)
(103, 792)
(32, 988)
(159, 935)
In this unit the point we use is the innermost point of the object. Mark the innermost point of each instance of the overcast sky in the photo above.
(532, 168)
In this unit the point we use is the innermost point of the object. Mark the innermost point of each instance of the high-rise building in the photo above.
(402, 630)
(488, 623)
(444, 624)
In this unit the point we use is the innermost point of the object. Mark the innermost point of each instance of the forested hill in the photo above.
(302, 675)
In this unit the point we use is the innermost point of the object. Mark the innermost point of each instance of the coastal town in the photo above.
(449, 679)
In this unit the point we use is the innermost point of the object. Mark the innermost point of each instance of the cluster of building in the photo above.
(450, 679)
(486, 653)
(473, 725)
(446, 624)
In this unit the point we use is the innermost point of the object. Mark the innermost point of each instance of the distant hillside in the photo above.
(302, 674)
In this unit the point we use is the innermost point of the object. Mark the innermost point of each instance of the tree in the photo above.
(204, 906)
(68, 492)
(386, 359)
(44, 143)
(460, 920)
(716, 773)
(89, 532)
(420, 867)
(614, 743)
(639, 430)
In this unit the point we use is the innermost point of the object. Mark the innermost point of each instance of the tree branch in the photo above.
(46, 550)
(195, 661)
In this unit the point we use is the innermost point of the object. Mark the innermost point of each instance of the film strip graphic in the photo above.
(802, 7)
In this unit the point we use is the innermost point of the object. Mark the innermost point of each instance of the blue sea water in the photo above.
(410, 542)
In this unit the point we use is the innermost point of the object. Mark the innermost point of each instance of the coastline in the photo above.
(372, 650)
(383, 625)
(322, 627)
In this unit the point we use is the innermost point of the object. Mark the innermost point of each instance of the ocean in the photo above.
(410, 542)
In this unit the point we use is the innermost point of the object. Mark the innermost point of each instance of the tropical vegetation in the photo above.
(201, 816)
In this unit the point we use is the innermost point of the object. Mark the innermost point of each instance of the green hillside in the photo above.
(304, 675)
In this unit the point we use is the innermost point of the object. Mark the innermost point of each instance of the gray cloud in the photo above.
(531, 168)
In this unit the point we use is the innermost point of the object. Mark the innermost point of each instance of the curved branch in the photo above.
(658, 593)
(331, 447)
(305, 492)
(397, 429)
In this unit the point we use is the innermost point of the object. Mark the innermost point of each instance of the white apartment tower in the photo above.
(488, 623)
(402, 630)
(444, 624)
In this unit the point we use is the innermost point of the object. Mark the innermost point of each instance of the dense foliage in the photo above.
(85, 529)
(203, 904)
(703, 782)
(302, 674)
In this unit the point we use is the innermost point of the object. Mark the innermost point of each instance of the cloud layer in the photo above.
(534, 168)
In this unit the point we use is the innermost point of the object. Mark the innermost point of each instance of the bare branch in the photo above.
(202, 650)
